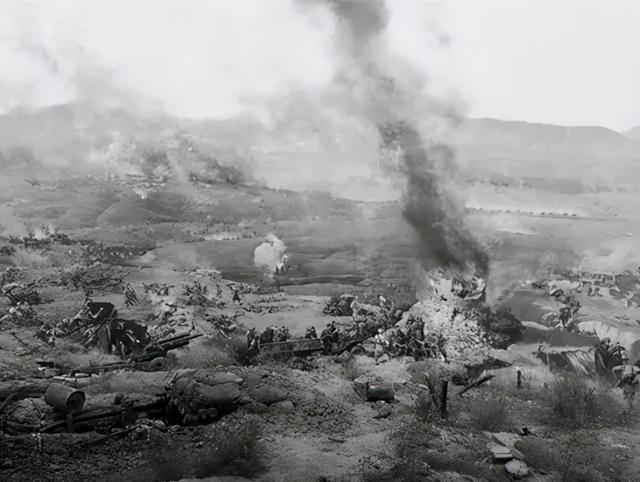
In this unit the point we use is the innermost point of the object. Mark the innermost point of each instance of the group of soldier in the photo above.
(387, 339)
(612, 359)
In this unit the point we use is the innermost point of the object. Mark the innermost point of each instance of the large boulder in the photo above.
(517, 469)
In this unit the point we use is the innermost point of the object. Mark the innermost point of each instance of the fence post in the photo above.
(443, 397)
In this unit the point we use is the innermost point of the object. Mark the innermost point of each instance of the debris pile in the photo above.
(22, 314)
(21, 293)
(198, 294)
(339, 305)
(97, 276)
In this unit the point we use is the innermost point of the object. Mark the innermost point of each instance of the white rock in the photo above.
(517, 469)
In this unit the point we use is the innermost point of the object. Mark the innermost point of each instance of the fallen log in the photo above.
(475, 384)
(28, 388)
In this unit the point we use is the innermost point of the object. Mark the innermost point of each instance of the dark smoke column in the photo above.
(388, 92)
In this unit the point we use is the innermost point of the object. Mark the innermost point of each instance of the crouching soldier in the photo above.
(311, 333)
(628, 381)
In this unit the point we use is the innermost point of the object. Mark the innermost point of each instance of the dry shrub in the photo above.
(351, 369)
(425, 409)
(580, 458)
(490, 414)
(416, 457)
(435, 370)
(374, 469)
(233, 451)
(575, 403)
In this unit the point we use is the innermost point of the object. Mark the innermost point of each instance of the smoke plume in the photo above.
(390, 92)
(270, 256)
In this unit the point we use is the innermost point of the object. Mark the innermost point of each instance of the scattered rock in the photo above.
(285, 406)
(500, 454)
(517, 469)
(383, 408)
(255, 407)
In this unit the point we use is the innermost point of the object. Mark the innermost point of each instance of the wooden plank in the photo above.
(292, 346)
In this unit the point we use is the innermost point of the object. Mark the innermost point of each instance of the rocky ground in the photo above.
(310, 424)
(205, 413)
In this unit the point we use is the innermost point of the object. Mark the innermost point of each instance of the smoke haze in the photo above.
(325, 101)
(390, 93)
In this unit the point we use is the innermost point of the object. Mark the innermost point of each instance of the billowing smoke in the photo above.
(270, 256)
(390, 93)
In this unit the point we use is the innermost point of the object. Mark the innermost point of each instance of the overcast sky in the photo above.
(572, 63)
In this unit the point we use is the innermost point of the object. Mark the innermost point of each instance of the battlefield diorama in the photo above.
(303, 262)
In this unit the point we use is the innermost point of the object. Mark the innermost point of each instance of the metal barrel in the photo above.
(65, 398)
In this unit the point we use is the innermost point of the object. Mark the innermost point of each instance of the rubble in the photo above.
(339, 305)
(20, 293)
(97, 276)
(198, 294)
(22, 314)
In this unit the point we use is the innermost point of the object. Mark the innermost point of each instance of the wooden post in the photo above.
(70, 426)
(519, 372)
(443, 397)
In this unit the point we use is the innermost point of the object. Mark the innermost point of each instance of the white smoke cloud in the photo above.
(270, 255)
(268, 69)
(193, 60)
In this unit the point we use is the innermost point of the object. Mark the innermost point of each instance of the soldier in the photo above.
(328, 335)
(251, 334)
(418, 329)
(379, 344)
(400, 343)
(267, 335)
(236, 296)
(253, 344)
(311, 333)
(617, 353)
(602, 356)
(628, 380)
(279, 334)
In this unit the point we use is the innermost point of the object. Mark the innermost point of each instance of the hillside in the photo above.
(492, 138)
(633, 133)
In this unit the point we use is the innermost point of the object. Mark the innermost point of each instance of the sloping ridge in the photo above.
(545, 140)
